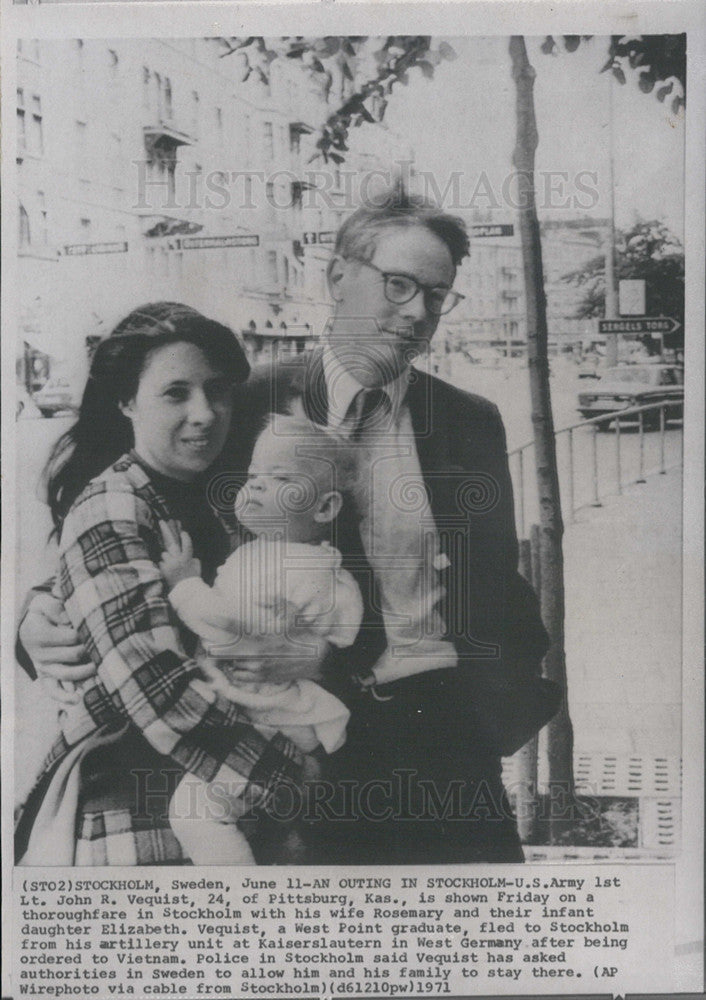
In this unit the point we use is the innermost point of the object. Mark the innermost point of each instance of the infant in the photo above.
(278, 604)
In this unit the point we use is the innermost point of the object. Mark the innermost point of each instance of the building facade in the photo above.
(169, 169)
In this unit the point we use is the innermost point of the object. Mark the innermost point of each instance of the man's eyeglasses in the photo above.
(401, 288)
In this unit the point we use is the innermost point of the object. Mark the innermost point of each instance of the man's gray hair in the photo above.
(358, 235)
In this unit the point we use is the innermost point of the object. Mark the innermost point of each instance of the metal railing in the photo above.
(599, 489)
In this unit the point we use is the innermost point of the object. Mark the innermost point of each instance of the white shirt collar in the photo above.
(342, 388)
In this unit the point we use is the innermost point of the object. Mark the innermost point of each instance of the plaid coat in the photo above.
(146, 687)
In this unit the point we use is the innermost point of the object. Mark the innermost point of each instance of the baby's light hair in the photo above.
(317, 443)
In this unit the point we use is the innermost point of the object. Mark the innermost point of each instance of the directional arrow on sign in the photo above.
(643, 324)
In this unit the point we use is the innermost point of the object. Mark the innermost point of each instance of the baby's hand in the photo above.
(178, 562)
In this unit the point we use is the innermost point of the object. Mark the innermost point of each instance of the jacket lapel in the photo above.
(430, 420)
(315, 395)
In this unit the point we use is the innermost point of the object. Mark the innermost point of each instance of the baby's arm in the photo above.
(200, 607)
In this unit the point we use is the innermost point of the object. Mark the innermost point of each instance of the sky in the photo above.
(469, 113)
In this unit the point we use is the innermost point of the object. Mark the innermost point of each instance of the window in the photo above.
(272, 267)
(78, 48)
(195, 111)
(21, 123)
(268, 142)
(157, 100)
(168, 109)
(113, 78)
(80, 145)
(145, 87)
(24, 235)
(37, 135)
(42, 208)
(115, 157)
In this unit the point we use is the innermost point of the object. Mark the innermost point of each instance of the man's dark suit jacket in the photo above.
(433, 746)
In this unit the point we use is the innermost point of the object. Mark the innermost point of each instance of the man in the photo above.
(442, 678)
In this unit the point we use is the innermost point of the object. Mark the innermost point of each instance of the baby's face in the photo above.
(283, 491)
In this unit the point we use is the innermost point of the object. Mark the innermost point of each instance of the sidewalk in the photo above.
(623, 622)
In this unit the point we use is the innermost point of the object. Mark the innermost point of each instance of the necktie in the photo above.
(371, 409)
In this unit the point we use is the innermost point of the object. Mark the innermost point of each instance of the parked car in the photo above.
(56, 396)
(626, 386)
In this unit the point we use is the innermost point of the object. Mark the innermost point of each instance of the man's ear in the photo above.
(329, 507)
(334, 275)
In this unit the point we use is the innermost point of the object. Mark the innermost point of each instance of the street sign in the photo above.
(327, 236)
(215, 242)
(88, 249)
(499, 230)
(646, 324)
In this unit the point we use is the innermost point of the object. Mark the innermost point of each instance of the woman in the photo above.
(154, 417)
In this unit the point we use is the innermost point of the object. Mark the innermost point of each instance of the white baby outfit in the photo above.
(283, 603)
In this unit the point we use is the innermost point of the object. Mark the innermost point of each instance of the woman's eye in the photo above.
(176, 394)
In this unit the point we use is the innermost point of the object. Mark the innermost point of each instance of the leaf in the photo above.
(608, 65)
(337, 158)
(646, 83)
(446, 51)
(427, 69)
(403, 78)
(548, 45)
(618, 74)
(663, 91)
(572, 42)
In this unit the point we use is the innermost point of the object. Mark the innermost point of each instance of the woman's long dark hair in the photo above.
(102, 433)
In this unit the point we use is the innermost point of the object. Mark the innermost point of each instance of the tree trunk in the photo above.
(559, 731)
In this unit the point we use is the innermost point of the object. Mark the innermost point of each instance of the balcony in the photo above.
(164, 135)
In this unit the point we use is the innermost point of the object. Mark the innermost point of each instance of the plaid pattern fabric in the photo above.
(115, 598)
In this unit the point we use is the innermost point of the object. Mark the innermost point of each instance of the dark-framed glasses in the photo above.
(401, 288)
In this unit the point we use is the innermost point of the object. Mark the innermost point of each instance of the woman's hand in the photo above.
(53, 646)
(178, 562)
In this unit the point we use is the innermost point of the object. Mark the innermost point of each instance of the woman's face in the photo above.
(181, 411)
